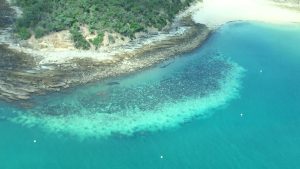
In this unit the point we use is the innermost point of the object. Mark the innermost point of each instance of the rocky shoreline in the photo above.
(23, 77)
(28, 71)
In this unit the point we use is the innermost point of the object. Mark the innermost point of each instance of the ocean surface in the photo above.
(233, 103)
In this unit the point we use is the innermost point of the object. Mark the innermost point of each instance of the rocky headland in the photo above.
(52, 63)
(28, 69)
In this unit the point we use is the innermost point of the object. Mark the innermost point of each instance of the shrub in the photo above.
(123, 16)
(23, 33)
(39, 32)
(98, 40)
(79, 40)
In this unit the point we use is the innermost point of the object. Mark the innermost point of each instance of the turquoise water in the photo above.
(151, 120)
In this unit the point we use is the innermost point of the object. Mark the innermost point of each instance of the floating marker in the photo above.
(260, 71)
(242, 114)
(34, 141)
(161, 157)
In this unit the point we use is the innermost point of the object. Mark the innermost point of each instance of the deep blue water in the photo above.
(265, 136)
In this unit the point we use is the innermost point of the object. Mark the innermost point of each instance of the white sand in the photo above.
(64, 55)
(217, 12)
(104, 53)
(213, 13)
(86, 123)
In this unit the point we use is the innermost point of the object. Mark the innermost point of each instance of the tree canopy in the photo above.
(41, 17)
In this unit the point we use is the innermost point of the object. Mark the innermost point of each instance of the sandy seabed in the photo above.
(183, 95)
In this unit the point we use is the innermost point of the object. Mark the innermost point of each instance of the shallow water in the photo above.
(221, 121)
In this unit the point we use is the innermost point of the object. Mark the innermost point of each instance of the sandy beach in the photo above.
(214, 13)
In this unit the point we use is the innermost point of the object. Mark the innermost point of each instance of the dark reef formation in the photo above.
(22, 76)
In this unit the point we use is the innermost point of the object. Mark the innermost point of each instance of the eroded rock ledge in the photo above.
(22, 76)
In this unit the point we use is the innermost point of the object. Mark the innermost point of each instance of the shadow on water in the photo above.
(112, 83)
(167, 64)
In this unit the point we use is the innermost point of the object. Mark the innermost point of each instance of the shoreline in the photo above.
(79, 71)
(215, 13)
(54, 70)
(48, 51)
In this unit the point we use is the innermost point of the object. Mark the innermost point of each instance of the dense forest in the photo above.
(41, 17)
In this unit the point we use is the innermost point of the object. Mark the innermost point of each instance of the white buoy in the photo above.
(260, 71)
(161, 157)
(34, 141)
(242, 114)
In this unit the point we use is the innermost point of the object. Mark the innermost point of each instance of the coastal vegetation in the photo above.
(127, 17)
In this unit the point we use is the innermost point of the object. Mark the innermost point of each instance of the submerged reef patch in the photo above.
(190, 90)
